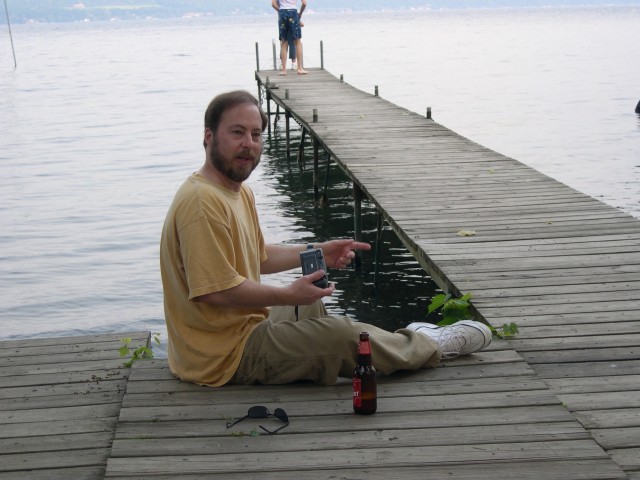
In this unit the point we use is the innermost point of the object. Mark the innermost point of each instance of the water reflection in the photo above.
(403, 289)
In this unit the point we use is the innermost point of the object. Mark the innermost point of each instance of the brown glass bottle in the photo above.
(365, 397)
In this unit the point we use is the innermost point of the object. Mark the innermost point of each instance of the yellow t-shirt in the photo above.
(211, 241)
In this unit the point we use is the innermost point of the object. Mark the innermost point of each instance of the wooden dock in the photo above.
(60, 400)
(560, 401)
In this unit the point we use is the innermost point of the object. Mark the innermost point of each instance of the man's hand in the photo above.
(305, 292)
(339, 253)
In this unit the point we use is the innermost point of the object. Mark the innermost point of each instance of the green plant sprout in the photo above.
(452, 309)
(138, 352)
(455, 309)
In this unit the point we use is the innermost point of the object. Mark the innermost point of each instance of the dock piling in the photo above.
(324, 200)
(358, 195)
(316, 145)
(301, 149)
(316, 163)
(287, 120)
(377, 251)
(268, 97)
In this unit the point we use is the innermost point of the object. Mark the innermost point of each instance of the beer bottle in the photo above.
(365, 398)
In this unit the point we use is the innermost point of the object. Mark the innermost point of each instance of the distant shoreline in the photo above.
(38, 12)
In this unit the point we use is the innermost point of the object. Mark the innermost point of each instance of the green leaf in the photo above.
(437, 302)
(446, 321)
(510, 330)
(124, 350)
(456, 309)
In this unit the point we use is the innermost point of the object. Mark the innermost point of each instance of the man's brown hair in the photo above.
(225, 101)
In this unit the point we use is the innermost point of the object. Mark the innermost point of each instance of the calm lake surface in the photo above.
(100, 123)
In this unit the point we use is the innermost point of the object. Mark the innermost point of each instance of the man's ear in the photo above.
(208, 136)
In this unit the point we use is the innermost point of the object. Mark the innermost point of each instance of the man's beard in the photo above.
(226, 166)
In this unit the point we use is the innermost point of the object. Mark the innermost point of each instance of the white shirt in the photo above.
(288, 4)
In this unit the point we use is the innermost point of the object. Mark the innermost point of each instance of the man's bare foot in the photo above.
(302, 71)
(282, 72)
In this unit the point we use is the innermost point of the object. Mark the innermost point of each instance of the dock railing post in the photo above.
(321, 55)
(273, 44)
(428, 113)
(257, 58)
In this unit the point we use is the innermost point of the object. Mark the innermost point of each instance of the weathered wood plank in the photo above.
(147, 426)
(357, 458)
(378, 438)
(618, 418)
(627, 458)
(534, 470)
(59, 404)
(611, 438)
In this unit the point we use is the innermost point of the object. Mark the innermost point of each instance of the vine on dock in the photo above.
(455, 309)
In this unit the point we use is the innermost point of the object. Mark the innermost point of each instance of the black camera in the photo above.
(312, 260)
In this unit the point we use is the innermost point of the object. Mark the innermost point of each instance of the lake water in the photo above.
(100, 123)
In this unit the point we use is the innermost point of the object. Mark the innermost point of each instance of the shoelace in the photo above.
(451, 342)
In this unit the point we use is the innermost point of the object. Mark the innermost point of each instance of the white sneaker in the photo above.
(461, 338)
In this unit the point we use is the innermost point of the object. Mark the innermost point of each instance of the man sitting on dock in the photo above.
(220, 323)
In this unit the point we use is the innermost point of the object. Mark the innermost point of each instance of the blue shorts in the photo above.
(289, 25)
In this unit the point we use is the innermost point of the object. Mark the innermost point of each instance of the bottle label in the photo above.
(364, 348)
(357, 392)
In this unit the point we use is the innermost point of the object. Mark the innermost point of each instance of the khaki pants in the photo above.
(321, 348)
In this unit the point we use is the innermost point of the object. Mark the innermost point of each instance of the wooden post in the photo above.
(358, 194)
(268, 96)
(377, 252)
(321, 55)
(315, 115)
(377, 91)
(287, 115)
(324, 199)
(341, 78)
(315, 169)
(429, 113)
(6, 11)
(276, 116)
(273, 44)
(286, 94)
(257, 59)
(301, 149)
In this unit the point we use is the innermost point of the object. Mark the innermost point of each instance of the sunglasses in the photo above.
(263, 412)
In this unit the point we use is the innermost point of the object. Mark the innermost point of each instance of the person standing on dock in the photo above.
(289, 29)
(224, 325)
